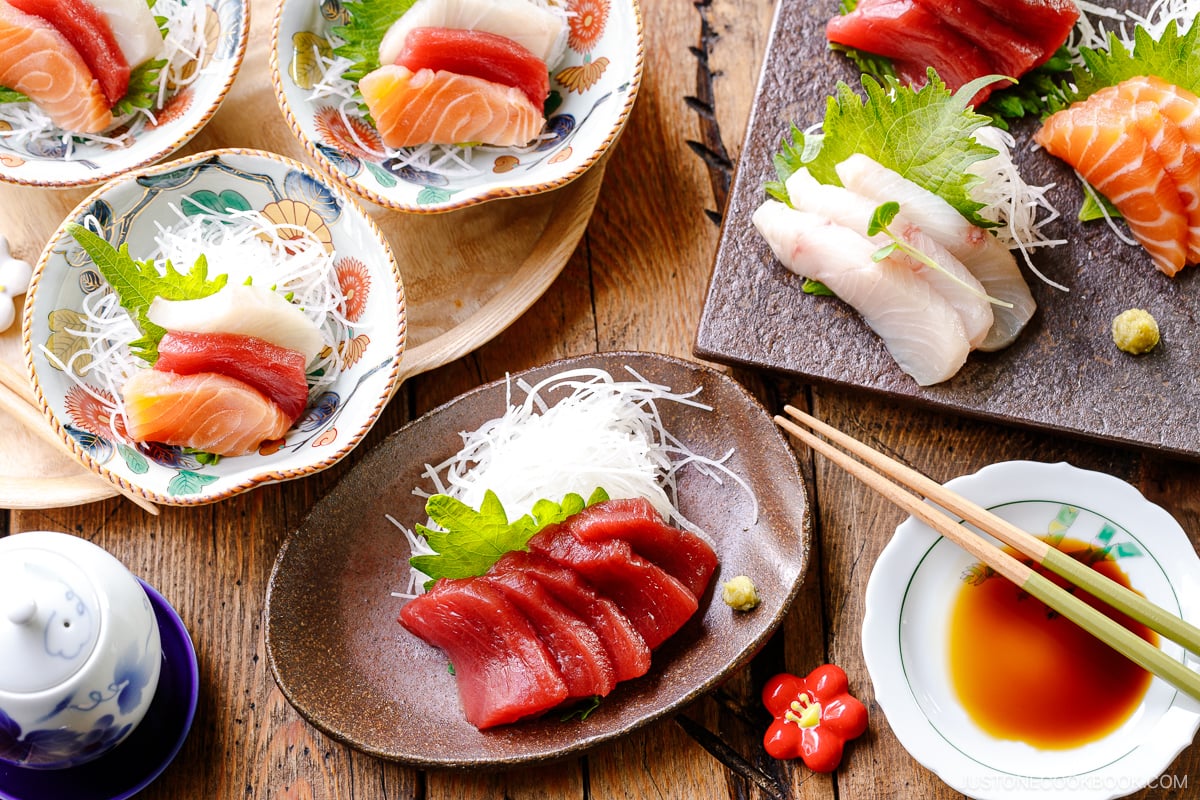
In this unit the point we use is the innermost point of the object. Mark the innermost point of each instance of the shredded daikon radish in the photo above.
(241, 244)
(1162, 13)
(26, 127)
(1090, 30)
(604, 433)
(1011, 202)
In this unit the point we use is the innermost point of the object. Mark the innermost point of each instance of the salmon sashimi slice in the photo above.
(428, 107)
(919, 327)
(37, 61)
(481, 54)
(625, 646)
(503, 670)
(89, 32)
(1102, 141)
(1182, 108)
(205, 411)
(275, 371)
(581, 657)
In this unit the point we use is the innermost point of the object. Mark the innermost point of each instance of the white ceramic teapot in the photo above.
(80, 653)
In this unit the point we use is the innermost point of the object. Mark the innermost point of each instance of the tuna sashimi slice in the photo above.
(625, 646)
(89, 32)
(503, 671)
(37, 61)
(1047, 22)
(480, 54)
(273, 370)
(914, 39)
(428, 107)
(657, 604)
(581, 657)
(683, 555)
(1101, 139)
(206, 411)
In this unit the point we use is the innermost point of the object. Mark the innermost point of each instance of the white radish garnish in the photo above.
(245, 311)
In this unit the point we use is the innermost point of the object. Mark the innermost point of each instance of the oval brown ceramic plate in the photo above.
(344, 662)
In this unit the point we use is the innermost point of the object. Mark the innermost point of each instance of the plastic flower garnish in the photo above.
(814, 717)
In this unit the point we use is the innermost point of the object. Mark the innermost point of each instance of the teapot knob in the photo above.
(21, 611)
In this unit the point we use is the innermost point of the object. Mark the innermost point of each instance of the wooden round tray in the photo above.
(467, 274)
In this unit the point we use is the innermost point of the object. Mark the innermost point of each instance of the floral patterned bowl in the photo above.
(591, 94)
(222, 30)
(128, 210)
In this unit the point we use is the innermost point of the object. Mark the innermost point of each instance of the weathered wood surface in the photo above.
(636, 281)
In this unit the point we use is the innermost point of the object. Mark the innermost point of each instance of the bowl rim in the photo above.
(264, 476)
(103, 177)
(327, 167)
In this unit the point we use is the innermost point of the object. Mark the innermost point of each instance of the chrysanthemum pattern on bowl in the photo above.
(286, 194)
(591, 94)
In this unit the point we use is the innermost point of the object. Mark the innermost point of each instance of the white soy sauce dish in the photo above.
(81, 646)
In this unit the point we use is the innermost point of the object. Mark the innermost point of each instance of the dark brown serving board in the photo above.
(1062, 374)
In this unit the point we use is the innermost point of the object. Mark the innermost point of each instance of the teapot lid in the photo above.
(49, 618)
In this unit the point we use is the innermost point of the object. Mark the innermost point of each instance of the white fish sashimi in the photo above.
(244, 311)
(538, 29)
(920, 329)
(844, 207)
(134, 28)
(980, 252)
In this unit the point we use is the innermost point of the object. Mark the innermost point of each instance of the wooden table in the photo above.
(636, 281)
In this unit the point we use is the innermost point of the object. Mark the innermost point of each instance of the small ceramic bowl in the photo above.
(185, 109)
(128, 210)
(591, 94)
(82, 652)
(913, 588)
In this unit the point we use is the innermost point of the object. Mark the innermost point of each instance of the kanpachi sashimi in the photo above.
(38, 61)
(423, 107)
(206, 411)
(919, 327)
(539, 29)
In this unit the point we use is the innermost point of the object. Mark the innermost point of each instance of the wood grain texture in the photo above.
(636, 280)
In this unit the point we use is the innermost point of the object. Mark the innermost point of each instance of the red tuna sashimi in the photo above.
(480, 54)
(581, 657)
(37, 61)
(914, 39)
(683, 555)
(207, 411)
(625, 646)
(1008, 52)
(275, 371)
(657, 604)
(88, 31)
(503, 671)
(1047, 22)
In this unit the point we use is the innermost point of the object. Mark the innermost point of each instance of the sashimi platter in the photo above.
(555, 548)
(993, 210)
(89, 90)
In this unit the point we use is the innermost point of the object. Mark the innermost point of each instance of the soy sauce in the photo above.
(1024, 672)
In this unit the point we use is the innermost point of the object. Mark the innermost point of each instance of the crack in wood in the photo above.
(732, 760)
(711, 148)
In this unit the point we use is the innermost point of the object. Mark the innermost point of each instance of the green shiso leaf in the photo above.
(470, 541)
(926, 135)
(1174, 57)
(137, 283)
(368, 21)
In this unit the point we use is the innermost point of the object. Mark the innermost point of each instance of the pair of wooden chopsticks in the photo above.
(1099, 586)
(18, 401)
